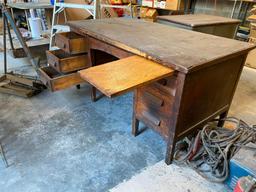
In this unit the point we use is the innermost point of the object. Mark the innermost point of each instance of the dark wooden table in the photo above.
(210, 24)
(204, 72)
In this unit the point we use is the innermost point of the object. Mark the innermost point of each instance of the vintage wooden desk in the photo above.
(210, 24)
(181, 81)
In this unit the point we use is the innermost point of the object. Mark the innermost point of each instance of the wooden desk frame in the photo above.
(199, 96)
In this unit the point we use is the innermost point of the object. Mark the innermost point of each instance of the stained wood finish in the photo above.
(207, 70)
(183, 50)
(65, 63)
(56, 81)
(198, 20)
(153, 104)
(120, 76)
(214, 25)
(71, 42)
(101, 52)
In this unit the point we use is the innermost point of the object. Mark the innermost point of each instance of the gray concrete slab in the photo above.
(63, 142)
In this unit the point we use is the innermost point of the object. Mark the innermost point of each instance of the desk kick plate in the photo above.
(118, 77)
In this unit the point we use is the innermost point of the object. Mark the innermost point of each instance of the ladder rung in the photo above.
(61, 27)
(54, 48)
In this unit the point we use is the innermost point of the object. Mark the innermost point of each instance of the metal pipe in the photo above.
(3, 155)
(10, 36)
(4, 42)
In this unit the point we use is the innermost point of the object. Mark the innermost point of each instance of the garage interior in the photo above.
(122, 93)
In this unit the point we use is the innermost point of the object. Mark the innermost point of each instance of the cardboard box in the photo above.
(253, 10)
(76, 14)
(148, 13)
(107, 12)
(252, 18)
(174, 5)
(169, 4)
(253, 30)
(252, 40)
(116, 2)
(128, 1)
(251, 59)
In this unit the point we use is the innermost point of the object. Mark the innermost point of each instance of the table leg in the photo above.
(93, 94)
(170, 149)
(135, 125)
(221, 119)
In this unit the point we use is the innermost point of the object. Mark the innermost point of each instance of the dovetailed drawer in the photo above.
(71, 42)
(65, 63)
(56, 81)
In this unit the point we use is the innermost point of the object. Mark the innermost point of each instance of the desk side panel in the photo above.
(208, 93)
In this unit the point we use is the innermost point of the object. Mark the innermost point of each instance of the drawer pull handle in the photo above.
(162, 82)
(154, 100)
(151, 118)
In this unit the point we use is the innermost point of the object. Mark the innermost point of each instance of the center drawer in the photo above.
(65, 62)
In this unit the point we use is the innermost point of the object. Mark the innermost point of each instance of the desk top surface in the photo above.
(31, 5)
(198, 20)
(180, 49)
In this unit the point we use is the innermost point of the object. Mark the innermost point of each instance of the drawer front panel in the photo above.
(71, 42)
(154, 108)
(56, 81)
(166, 86)
(149, 101)
(152, 120)
(65, 63)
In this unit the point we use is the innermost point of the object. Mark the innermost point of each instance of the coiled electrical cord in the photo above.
(213, 147)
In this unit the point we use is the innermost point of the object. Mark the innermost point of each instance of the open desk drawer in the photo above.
(71, 42)
(65, 63)
(124, 75)
(56, 81)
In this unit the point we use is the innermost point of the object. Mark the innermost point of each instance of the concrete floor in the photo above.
(63, 142)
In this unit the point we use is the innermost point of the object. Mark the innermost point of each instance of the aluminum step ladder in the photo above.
(59, 7)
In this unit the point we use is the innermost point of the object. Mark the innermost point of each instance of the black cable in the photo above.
(217, 145)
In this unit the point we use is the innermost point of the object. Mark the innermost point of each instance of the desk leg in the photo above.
(170, 150)
(135, 125)
(135, 121)
(91, 59)
(93, 94)
(175, 118)
(222, 116)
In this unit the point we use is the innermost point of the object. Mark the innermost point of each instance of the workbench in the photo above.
(210, 24)
(181, 79)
